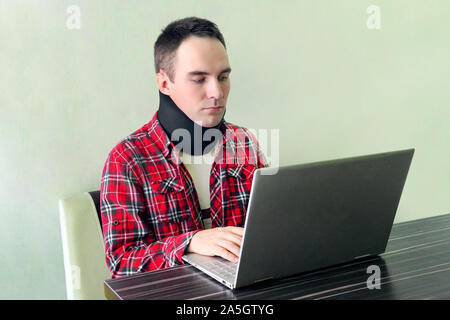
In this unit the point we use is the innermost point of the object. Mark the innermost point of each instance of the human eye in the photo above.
(199, 80)
(223, 78)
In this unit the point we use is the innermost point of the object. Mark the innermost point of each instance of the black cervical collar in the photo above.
(171, 118)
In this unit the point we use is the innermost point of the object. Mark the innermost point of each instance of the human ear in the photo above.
(163, 82)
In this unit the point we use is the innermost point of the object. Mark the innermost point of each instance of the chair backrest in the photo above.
(95, 195)
(83, 246)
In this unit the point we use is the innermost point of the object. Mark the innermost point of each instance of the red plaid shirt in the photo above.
(149, 205)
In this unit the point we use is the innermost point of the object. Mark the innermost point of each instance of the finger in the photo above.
(225, 233)
(236, 230)
(227, 255)
(230, 246)
(236, 239)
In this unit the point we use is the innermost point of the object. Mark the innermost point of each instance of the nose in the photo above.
(214, 90)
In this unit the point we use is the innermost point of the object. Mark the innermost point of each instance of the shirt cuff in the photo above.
(181, 243)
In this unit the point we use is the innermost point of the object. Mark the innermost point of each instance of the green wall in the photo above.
(311, 69)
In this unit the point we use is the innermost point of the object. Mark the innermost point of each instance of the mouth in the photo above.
(213, 108)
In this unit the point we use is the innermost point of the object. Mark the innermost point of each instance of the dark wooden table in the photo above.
(416, 265)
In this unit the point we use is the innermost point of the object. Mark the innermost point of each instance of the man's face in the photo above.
(201, 80)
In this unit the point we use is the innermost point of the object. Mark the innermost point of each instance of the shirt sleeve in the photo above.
(130, 245)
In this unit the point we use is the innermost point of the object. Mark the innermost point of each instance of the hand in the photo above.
(224, 242)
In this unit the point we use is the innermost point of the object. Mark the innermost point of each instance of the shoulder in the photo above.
(131, 145)
(239, 132)
(244, 143)
(144, 145)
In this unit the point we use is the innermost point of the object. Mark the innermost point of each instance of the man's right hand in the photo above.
(224, 242)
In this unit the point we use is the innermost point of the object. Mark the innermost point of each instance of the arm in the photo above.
(226, 242)
(130, 245)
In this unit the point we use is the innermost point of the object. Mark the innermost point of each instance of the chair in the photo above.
(83, 246)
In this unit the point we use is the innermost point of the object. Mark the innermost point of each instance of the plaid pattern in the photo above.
(149, 206)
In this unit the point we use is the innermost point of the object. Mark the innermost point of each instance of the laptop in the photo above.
(312, 216)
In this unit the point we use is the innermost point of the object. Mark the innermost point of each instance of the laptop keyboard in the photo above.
(222, 267)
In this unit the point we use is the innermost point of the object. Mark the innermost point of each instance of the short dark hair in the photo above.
(171, 37)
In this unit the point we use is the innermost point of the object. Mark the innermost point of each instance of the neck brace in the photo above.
(193, 139)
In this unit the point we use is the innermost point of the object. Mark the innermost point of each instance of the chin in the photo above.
(209, 123)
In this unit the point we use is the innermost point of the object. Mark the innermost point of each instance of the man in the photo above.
(160, 197)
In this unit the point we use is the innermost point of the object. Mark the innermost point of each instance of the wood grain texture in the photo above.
(416, 265)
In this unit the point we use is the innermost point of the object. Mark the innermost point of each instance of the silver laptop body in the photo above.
(310, 216)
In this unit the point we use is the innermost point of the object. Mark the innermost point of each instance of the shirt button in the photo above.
(116, 222)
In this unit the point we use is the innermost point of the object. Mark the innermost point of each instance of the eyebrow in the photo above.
(201, 73)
